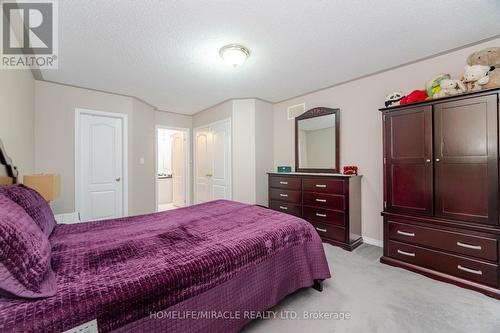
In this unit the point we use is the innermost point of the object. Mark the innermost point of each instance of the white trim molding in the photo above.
(373, 241)
(124, 118)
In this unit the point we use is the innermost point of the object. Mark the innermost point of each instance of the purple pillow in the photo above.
(25, 269)
(34, 204)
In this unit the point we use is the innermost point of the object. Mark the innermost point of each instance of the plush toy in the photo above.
(414, 96)
(450, 88)
(433, 85)
(393, 99)
(475, 77)
(488, 57)
(350, 170)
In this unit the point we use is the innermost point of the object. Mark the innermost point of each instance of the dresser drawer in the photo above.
(287, 183)
(469, 269)
(322, 200)
(285, 195)
(323, 185)
(286, 207)
(324, 215)
(470, 245)
(329, 231)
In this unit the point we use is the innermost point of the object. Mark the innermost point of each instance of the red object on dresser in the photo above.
(441, 189)
(350, 170)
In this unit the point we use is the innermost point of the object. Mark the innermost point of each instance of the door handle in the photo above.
(437, 160)
(118, 179)
(208, 175)
(428, 160)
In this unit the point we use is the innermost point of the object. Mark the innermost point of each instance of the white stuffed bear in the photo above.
(450, 87)
(476, 76)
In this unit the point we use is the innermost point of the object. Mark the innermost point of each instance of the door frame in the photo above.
(187, 157)
(225, 120)
(124, 118)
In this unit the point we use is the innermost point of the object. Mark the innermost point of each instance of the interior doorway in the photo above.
(172, 168)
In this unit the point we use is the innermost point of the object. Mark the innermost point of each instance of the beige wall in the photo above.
(17, 96)
(55, 106)
(263, 149)
(218, 112)
(360, 122)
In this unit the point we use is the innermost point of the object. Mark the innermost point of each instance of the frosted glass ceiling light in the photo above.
(234, 55)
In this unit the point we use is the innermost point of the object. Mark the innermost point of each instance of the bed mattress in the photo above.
(121, 271)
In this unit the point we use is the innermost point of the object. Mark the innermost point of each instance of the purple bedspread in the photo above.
(121, 270)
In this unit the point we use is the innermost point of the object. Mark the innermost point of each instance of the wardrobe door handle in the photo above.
(283, 195)
(438, 160)
(320, 200)
(428, 160)
(320, 185)
(408, 254)
(470, 246)
(319, 229)
(283, 207)
(468, 270)
(320, 215)
(409, 234)
(284, 183)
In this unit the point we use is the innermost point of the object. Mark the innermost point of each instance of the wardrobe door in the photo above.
(408, 161)
(466, 159)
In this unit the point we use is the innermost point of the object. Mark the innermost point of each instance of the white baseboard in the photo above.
(373, 241)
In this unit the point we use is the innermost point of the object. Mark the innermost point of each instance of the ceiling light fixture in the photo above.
(234, 54)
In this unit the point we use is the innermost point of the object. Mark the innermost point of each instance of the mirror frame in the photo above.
(313, 113)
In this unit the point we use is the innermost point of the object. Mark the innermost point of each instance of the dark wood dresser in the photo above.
(330, 202)
(441, 214)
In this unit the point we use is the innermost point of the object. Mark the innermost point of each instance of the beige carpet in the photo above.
(381, 298)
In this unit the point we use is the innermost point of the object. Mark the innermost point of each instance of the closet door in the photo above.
(408, 161)
(466, 159)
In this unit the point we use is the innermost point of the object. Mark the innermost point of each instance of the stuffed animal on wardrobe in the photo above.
(488, 57)
(393, 98)
(475, 77)
(450, 88)
(433, 85)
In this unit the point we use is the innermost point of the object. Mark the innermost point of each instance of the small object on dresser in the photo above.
(284, 169)
(350, 170)
(47, 184)
(393, 98)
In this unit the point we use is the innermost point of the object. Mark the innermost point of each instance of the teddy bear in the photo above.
(450, 87)
(475, 77)
(393, 99)
(488, 57)
(432, 86)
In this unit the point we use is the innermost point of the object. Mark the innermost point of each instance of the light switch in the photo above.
(141, 160)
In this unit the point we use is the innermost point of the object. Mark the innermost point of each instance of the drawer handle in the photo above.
(283, 207)
(469, 246)
(284, 183)
(404, 233)
(320, 200)
(319, 229)
(468, 270)
(320, 185)
(320, 215)
(283, 195)
(408, 254)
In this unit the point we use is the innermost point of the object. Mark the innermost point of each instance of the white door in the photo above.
(100, 167)
(213, 162)
(178, 169)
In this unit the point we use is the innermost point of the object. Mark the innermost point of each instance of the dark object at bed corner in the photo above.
(8, 172)
(441, 189)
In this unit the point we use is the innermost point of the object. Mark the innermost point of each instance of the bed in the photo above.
(203, 268)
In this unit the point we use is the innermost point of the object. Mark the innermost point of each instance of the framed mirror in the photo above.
(317, 141)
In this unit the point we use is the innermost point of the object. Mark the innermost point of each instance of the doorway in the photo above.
(172, 168)
(100, 164)
(212, 164)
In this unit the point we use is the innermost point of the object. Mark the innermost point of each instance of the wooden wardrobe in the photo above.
(441, 189)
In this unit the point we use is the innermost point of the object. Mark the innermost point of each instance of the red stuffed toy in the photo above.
(414, 96)
(350, 170)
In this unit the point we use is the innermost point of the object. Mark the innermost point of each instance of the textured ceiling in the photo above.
(166, 52)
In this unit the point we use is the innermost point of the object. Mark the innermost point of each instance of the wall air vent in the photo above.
(296, 110)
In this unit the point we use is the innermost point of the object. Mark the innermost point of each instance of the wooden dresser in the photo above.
(441, 193)
(330, 202)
